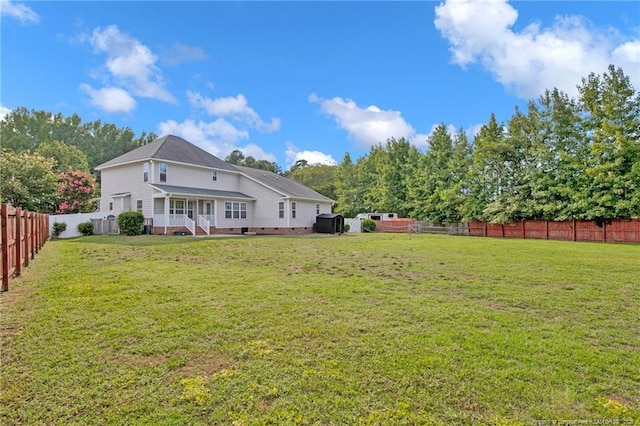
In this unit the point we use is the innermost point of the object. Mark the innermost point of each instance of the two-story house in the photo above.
(179, 187)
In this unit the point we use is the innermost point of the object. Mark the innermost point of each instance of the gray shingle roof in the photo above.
(282, 184)
(214, 193)
(171, 148)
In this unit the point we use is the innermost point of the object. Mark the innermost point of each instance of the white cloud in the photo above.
(237, 108)
(19, 11)
(367, 126)
(536, 58)
(218, 137)
(293, 154)
(4, 111)
(180, 53)
(130, 63)
(110, 99)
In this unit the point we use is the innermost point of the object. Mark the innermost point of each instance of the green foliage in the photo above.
(237, 157)
(59, 228)
(85, 228)
(26, 130)
(131, 223)
(66, 156)
(347, 227)
(29, 181)
(319, 177)
(368, 225)
(560, 159)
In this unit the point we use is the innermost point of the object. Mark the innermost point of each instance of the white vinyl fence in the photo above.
(72, 221)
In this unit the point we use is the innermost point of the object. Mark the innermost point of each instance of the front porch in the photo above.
(195, 210)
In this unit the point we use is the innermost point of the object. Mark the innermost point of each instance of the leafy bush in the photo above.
(346, 227)
(131, 223)
(368, 225)
(59, 228)
(85, 228)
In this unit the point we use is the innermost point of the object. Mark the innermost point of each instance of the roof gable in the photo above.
(170, 148)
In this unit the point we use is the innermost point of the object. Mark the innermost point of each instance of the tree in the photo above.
(237, 157)
(348, 191)
(611, 109)
(75, 192)
(485, 175)
(319, 177)
(28, 181)
(25, 130)
(65, 155)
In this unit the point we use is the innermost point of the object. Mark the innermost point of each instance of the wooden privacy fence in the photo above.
(23, 235)
(615, 230)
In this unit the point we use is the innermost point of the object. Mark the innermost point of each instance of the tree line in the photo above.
(563, 158)
(48, 160)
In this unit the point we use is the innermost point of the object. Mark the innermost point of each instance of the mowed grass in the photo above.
(352, 329)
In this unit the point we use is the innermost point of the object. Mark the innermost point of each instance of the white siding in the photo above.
(265, 209)
(126, 178)
(194, 177)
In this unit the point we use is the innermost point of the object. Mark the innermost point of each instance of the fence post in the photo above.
(604, 231)
(524, 232)
(546, 234)
(18, 238)
(574, 230)
(25, 225)
(484, 230)
(4, 224)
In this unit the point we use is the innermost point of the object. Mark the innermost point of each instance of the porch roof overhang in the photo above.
(185, 191)
(120, 195)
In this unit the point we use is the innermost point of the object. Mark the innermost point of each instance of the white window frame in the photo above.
(177, 206)
(214, 176)
(235, 210)
(139, 205)
(163, 174)
(318, 208)
(281, 210)
(293, 210)
(145, 172)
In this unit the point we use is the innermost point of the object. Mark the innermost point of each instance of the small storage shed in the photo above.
(330, 223)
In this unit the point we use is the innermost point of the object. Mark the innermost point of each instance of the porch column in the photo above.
(166, 212)
(215, 213)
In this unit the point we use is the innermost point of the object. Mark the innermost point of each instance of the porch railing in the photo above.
(204, 223)
(190, 224)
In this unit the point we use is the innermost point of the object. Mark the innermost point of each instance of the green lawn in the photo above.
(366, 329)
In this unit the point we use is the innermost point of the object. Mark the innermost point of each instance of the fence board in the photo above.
(22, 234)
(618, 230)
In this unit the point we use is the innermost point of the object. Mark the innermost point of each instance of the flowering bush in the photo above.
(75, 192)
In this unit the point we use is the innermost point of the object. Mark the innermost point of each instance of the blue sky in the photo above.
(284, 81)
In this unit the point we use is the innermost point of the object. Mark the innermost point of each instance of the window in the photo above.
(110, 206)
(176, 207)
(293, 209)
(317, 208)
(214, 176)
(145, 172)
(281, 209)
(190, 209)
(163, 172)
(235, 210)
(139, 205)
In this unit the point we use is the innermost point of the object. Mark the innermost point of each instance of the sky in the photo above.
(291, 80)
